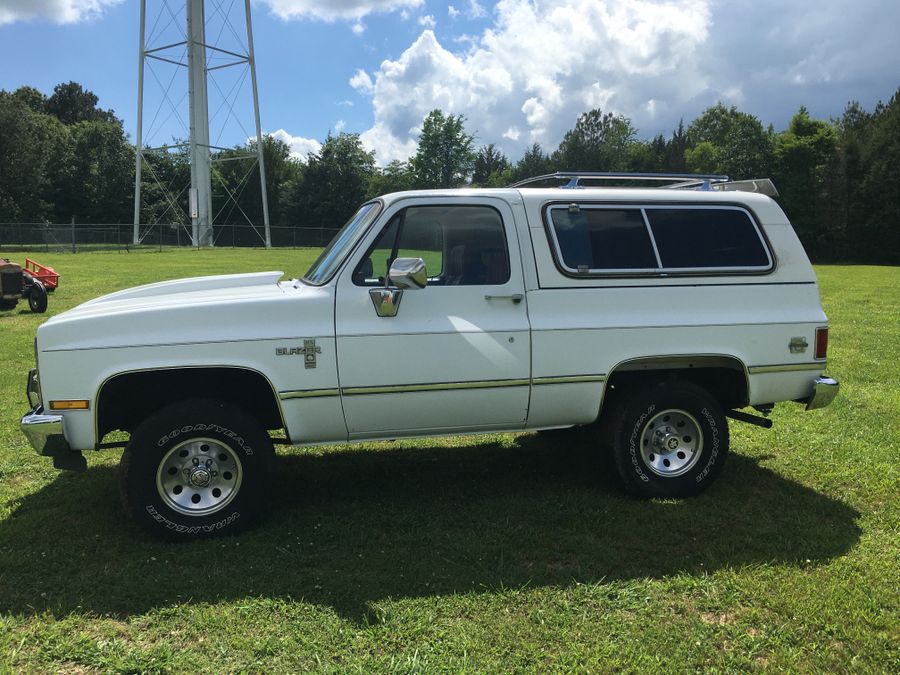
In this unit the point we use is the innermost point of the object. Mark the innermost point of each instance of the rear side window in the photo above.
(707, 238)
(603, 239)
(595, 239)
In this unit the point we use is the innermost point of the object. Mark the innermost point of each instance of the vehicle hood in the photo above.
(226, 308)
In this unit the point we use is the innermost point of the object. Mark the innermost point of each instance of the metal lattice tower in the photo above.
(177, 41)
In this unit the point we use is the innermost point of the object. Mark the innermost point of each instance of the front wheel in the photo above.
(668, 439)
(197, 468)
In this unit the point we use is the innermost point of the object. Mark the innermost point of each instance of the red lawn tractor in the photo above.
(32, 283)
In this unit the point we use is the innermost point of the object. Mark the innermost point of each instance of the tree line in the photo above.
(63, 157)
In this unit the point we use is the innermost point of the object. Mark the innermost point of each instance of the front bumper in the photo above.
(45, 432)
(824, 391)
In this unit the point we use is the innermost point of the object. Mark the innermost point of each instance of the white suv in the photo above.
(650, 313)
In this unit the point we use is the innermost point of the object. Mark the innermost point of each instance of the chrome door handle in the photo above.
(515, 297)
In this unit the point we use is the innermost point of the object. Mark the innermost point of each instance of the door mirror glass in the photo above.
(408, 273)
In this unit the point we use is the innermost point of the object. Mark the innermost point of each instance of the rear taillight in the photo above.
(821, 342)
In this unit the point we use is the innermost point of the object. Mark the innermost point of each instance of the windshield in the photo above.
(331, 258)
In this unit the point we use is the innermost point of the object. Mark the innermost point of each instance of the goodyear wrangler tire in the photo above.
(196, 469)
(669, 440)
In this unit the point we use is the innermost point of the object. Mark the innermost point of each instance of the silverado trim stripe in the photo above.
(439, 386)
(307, 393)
(435, 386)
(785, 368)
(568, 379)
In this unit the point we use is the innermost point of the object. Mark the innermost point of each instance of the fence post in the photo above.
(73, 235)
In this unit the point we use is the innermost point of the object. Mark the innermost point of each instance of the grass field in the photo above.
(480, 553)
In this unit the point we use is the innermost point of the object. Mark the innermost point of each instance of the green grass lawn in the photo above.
(503, 552)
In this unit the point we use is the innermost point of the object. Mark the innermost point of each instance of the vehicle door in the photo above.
(455, 354)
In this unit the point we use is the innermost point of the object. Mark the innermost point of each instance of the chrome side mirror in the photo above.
(405, 274)
(408, 273)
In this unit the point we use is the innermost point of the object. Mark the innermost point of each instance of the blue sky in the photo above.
(520, 70)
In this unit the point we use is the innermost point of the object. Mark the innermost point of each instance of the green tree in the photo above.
(165, 178)
(704, 157)
(94, 182)
(802, 155)
(395, 177)
(444, 156)
(676, 147)
(237, 197)
(331, 186)
(599, 142)
(740, 146)
(31, 144)
(878, 236)
(533, 163)
(71, 103)
(490, 166)
(31, 97)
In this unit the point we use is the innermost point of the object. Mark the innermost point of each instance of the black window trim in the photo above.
(659, 271)
(403, 209)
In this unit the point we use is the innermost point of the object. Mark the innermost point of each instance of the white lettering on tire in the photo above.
(715, 445)
(228, 433)
(632, 443)
(190, 529)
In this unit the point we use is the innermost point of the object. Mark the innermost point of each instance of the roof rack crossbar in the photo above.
(574, 178)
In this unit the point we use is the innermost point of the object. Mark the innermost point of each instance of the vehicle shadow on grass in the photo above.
(349, 529)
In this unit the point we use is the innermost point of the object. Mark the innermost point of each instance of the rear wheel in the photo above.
(8, 304)
(668, 439)
(197, 468)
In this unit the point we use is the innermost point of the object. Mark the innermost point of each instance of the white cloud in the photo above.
(300, 147)
(541, 63)
(452, 12)
(358, 28)
(336, 9)
(386, 145)
(362, 82)
(58, 11)
(427, 21)
(511, 91)
(476, 10)
(339, 126)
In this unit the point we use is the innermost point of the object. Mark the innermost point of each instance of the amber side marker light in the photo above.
(821, 342)
(69, 405)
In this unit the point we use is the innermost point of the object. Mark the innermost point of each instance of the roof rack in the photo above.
(673, 181)
(573, 178)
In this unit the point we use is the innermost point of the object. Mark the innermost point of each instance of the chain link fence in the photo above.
(76, 237)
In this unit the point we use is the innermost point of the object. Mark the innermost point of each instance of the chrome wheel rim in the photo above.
(671, 443)
(199, 477)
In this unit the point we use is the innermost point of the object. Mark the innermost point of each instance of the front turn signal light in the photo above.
(70, 405)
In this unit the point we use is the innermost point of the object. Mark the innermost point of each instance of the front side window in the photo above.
(343, 243)
(461, 246)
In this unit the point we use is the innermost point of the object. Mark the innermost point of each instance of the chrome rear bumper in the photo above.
(824, 391)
